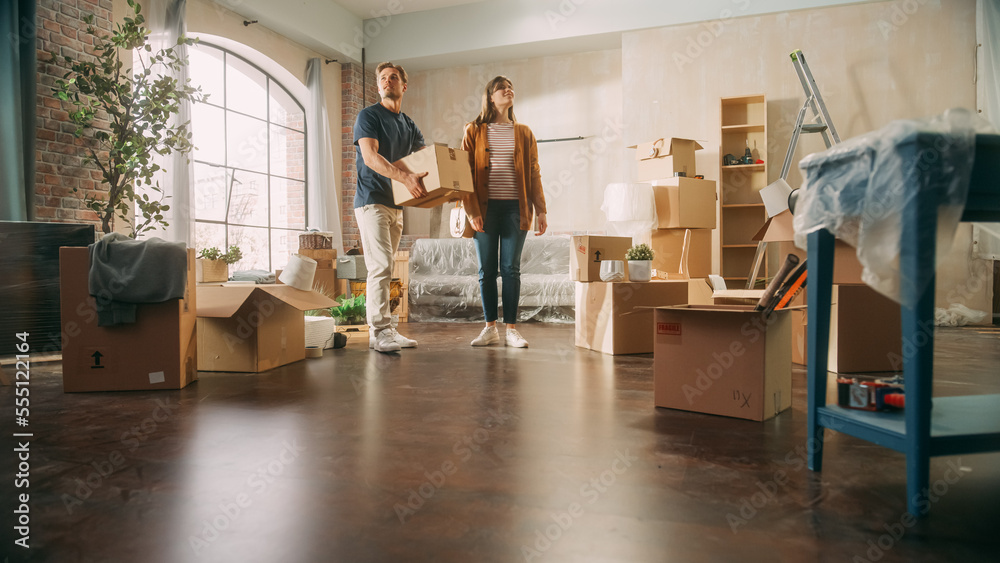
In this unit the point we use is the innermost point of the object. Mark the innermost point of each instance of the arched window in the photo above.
(249, 160)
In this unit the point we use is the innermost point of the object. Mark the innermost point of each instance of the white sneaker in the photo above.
(514, 338)
(488, 336)
(385, 342)
(403, 341)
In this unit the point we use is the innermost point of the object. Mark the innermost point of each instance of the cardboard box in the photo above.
(325, 258)
(800, 332)
(667, 245)
(722, 359)
(778, 229)
(448, 176)
(589, 251)
(352, 267)
(865, 331)
(253, 328)
(616, 318)
(685, 203)
(158, 351)
(665, 157)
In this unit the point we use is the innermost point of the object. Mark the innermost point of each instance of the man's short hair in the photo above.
(385, 65)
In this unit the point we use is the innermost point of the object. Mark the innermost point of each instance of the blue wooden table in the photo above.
(926, 427)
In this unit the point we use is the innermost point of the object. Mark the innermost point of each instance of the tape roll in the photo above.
(314, 352)
(299, 272)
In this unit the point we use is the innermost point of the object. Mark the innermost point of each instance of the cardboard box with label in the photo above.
(664, 158)
(685, 203)
(158, 351)
(448, 176)
(668, 245)
(722, 359)
(616, 318)
(253, 328)
(589, 250)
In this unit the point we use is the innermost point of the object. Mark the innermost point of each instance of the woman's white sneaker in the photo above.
(488, 336)
(514, 338)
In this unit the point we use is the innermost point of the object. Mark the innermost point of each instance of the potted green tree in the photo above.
(126, 118)
(213, 264)
(640, 263)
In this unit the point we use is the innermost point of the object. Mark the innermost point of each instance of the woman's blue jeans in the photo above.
(499, 251)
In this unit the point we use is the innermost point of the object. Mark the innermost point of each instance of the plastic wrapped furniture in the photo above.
(929, 168)
(444, 281)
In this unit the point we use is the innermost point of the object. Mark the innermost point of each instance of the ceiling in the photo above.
(365, 9)
(427, 34)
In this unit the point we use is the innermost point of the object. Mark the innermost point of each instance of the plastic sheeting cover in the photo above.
(444, 281)
(857, 189)
(630, 209)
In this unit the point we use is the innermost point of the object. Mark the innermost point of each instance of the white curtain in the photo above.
(165, 19)
(321, 194)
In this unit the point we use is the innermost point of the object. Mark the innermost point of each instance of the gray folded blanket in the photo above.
(124, 272)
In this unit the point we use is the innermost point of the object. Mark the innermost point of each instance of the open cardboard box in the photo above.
(158, 351)
(615, 318)
(722, 359)
(253, 328)
(663, 158)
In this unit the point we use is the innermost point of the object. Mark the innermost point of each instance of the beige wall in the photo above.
(559, 97)
(204, 16)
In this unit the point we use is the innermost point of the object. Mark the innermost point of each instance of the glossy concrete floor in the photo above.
(447, 453)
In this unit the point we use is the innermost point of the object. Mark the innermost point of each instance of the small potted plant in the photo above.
(351, 312)
(640, 263)
(213, 264)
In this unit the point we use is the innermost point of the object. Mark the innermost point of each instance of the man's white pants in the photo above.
(381, 228)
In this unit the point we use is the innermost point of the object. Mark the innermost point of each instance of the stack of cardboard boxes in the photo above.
(683, 201)
(617, 317)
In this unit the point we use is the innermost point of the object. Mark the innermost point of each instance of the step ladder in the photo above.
(820, 123)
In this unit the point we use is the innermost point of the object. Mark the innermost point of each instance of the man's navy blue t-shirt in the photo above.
(397, 137)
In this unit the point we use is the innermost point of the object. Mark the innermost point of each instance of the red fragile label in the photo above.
(671, 329)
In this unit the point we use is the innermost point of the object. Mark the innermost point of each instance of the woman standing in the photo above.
(508, 192)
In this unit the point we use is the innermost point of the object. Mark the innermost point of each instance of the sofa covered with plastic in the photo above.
(444, 281)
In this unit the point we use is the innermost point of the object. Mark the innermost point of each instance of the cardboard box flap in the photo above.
(301, 300)
(222, 302)
(777, 229)
(663, 147)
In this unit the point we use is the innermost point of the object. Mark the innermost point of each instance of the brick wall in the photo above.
(351, 104)
(58, 162)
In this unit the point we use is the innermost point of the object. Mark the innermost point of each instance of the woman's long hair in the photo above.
(490, 112)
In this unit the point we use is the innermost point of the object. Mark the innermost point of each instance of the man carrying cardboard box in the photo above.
(384, 134)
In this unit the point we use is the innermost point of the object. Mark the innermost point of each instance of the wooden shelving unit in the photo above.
(741, 211)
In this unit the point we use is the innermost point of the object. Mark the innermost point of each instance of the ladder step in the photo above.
(814, 127)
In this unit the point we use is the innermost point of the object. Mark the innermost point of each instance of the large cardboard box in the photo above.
(448, 176)
(253, 328)
(158, 351)
(722, 359)
(663, 158)
(778, 229)
(800, 332)
(865, 331)
(589, 251)
(667, 246)
(685, 203)
(616, 318)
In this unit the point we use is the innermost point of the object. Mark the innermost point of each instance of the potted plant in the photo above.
(213, 264)
(640, 262)
(352, 310)
(126, 118)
